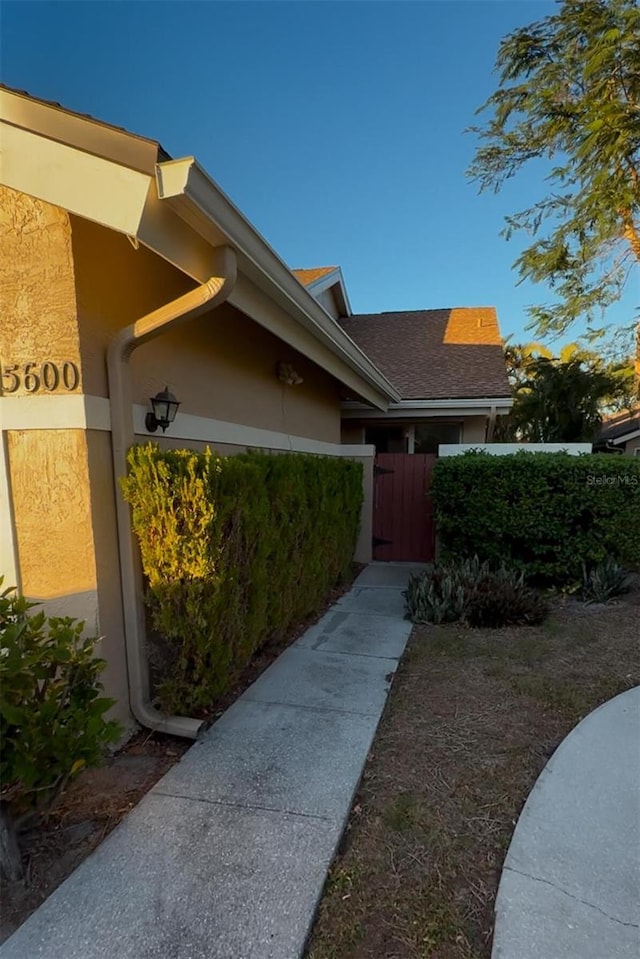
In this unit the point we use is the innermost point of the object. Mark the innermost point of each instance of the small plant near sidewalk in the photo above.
(501, 598)
(471, 591)
(604, 581)
(52, 721)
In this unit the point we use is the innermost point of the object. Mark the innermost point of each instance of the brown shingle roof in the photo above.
(307, 277)
(615, 426)
(435, 354)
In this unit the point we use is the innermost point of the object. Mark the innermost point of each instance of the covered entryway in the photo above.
(403, 526)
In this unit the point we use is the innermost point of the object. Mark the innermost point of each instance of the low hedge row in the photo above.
(235, 550)
(543, 513)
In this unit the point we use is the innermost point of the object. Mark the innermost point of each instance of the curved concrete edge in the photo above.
(570, 886)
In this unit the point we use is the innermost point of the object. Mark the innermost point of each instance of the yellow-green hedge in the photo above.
(235, 550)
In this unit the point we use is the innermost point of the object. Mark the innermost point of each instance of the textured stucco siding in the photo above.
(59, 498)
(220, 365)
(474, 429)
(37, 289)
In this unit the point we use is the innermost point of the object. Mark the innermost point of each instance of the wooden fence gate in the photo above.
(403, 527)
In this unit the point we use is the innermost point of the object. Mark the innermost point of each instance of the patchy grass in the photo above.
(472, 718)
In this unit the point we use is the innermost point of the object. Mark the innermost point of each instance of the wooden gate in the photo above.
(403, 527)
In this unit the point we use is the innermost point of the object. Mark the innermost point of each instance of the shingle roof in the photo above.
(435, 354)
(616, 426)
(307, 277)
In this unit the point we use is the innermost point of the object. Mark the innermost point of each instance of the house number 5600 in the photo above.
(33, 377)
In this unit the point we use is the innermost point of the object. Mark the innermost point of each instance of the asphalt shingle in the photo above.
(435, 354)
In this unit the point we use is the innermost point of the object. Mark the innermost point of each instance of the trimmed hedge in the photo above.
(543, 513)
(235, 550)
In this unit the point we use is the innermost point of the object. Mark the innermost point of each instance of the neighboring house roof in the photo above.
(618, 429)
(435, 354)
(307, 277)
(321, 279)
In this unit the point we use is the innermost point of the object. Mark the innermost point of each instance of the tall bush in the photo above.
(543, 513)
(235, 550)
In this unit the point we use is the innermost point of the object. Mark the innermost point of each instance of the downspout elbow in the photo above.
(204, 298)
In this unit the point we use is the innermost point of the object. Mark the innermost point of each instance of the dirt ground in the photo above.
(97, 800)
(472, 718)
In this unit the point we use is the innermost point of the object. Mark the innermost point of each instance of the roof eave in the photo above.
(634, 434)
(412, 409)
(197, 199)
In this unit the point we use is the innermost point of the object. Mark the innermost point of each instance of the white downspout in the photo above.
(203, 299)
(491, 425)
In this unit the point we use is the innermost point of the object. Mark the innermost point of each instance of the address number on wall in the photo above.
(34, 377)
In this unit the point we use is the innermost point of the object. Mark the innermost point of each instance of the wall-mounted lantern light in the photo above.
(165, 407)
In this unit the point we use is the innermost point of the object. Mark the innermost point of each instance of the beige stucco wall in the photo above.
(47, 468)
(54, 509)
(351, 433)
(221, 365)
(363, 553)
(49, 476)
(102, 508)
(474, 429)
(37, 290)
(631, 446)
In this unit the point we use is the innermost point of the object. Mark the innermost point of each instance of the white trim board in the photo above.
(626, 437)
(428, 409)
(77, 411)
(203, 429)
(83, 412)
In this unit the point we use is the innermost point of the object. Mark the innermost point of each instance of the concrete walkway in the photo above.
(570, 887)
(226, 857)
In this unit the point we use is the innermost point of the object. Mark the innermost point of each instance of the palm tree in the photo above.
(559, 401)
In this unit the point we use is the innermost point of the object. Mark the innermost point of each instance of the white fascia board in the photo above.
(625, 438)
(88, 185)
(418, 409)
(184, 186)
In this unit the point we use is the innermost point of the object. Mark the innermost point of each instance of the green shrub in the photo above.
(52, 721)
(542, 513)
(235, 551)
(604, 581)
(470, 591)
(502, 599)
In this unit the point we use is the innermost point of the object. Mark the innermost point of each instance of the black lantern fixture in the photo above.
(165, 407)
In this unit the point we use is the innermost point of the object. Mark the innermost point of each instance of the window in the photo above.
(428, 436)
(387, 439)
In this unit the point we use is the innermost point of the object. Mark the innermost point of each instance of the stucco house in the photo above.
(125, 271)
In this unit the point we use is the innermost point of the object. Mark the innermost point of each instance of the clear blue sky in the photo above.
(337, 128)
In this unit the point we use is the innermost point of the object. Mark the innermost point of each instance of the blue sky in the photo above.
(337, 128)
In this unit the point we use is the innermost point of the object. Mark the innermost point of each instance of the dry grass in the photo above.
(472, 718)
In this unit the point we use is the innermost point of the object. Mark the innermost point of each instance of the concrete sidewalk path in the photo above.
(570, 886)
(226, 857)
